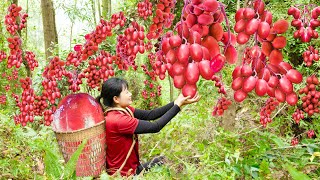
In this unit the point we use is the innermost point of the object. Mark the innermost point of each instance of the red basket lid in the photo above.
(76, 112)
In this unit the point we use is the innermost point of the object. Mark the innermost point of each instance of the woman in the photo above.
(124, 122)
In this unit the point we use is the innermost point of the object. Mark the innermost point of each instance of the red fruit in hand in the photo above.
(189, 90)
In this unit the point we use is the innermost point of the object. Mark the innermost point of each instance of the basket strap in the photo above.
(127, 110)
(130, 113)
(128, 155)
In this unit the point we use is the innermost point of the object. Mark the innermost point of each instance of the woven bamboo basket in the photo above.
(92, 159)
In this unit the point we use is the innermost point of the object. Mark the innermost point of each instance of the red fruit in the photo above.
(183, 53)
(165, 45)
(266, 48)
(175, 41)
(239, 95)
(195, 37)
(239, 14)
(270, 91)
(225, 38)
(292, 99)
(242, 38)
(210, 5)
(246, 71)
(205, 19)
(205, 70)
(264, 74)
(267, 16)
(249, 13)
(196, 52)
(273, 81)
(231, 54)
(171, 56)
(281, 26)
(189, 90)
(259, 6)
(212, 45)
(284, 67)
(192, 73)
(179, 81)
(183, 29)
(261, 87)
(263, 30)
(280, 96)
(285, 85)
(216, 31)
(191, 20)
(294, 76)
(236, 72)
(249, 84)
(252, 26)
(206, 54)
(240, 25)
(217, 63)
(237, 83)
(279, 42)
(178, 68)
(275, 57)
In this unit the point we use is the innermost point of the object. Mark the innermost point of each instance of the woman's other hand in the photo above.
(181, 100)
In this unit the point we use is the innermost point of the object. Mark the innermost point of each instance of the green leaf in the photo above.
(71, 165)
(295, 174)
(278, 141)
(52, 165)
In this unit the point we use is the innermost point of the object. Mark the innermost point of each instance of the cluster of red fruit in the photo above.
(221, 106)
(294, 141)
(266, 111)
(15, 56)
(145, 9)
(305, 22)
(118, 19)
(75, 56)
(3, 99)
(100, 34)
(266, 79)
(26, 105)
(311, 134)
(40, 104)
(310, 55)
(100, 69)
(12, 17)
(3, 55)
(311, 103)
(298, 115)
(30, 58)
(131, 43)
(163, 18)
(195, 50)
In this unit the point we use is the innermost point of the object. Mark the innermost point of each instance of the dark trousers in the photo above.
(148, 165)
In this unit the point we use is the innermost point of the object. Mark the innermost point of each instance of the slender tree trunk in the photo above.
(99, 9)
(49, 26)
(93, 6)
(106, 8)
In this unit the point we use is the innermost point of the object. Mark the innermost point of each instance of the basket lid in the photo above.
(75, 112)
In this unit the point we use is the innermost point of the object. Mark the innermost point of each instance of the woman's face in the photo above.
(124, 99)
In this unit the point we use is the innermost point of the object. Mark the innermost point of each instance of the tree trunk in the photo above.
(106, 8)
(49, 26)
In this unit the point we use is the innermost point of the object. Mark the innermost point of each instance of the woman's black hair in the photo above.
(110, 88)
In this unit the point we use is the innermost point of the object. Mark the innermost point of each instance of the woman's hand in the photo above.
(181, 100)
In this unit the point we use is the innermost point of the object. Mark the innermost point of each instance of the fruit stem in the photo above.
(227, 24)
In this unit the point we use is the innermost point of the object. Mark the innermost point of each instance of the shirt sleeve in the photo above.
(126, 124)
(155, 126)
(152, 114)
